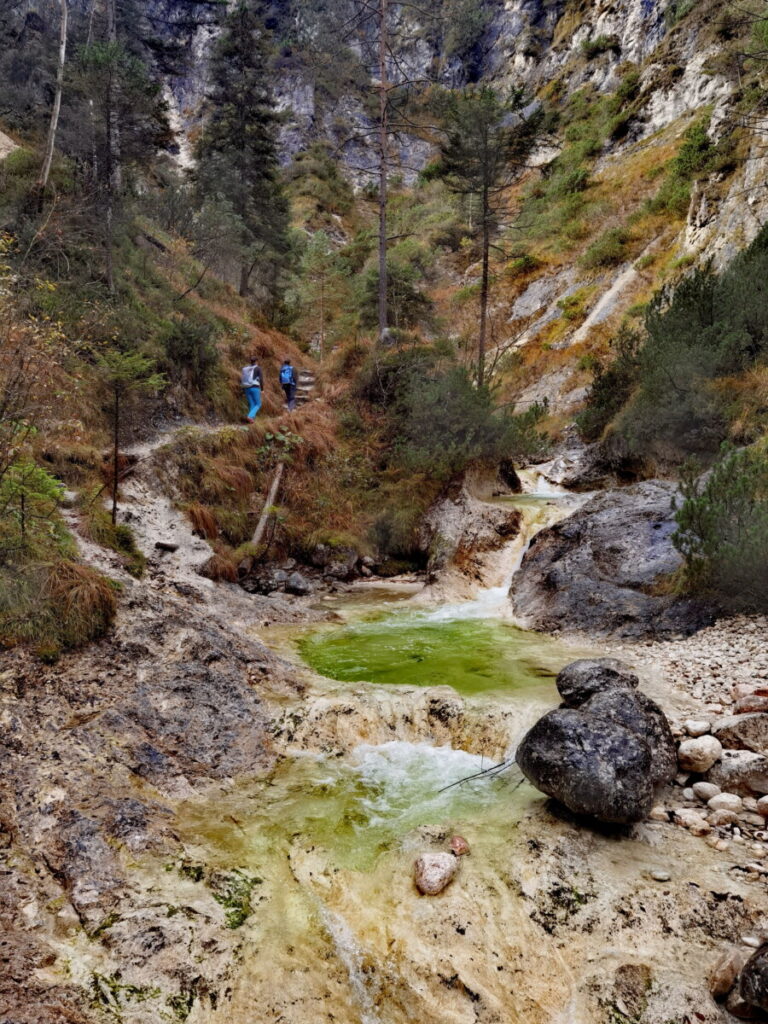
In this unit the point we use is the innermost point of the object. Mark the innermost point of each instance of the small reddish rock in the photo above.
(459, 846)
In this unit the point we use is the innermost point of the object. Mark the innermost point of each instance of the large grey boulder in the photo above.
(596, 570)
(644, 718)
(582, 679)
(753, 983)
(592, 765)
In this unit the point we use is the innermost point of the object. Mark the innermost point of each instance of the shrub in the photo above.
(607, 250)
(723, 530)
(55, 606)
(592, 48)
(611, 385)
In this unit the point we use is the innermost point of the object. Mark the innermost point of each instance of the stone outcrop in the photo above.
(459, 526)
(596, 570)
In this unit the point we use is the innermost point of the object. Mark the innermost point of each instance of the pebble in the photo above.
(725, 802)
(691, 820)
(688, 793)
(753, 819)
(717, 819)
(433, 871)
(459, 846)
(660, 876)
(659, 813)
(696, 727)
(705, 790)
(752, 941)
(750, 804)
(762, 806)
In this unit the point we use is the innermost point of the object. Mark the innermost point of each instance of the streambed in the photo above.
(546, 920)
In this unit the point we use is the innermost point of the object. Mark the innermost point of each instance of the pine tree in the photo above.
(487, 140)
(237, 153)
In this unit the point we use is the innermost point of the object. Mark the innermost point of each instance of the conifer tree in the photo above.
(486, 143)
(237, 153)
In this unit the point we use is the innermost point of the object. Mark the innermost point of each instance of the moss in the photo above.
(233, 891)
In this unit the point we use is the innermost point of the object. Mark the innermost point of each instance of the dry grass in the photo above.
(84, 599)
(220, 567)
(203, 520)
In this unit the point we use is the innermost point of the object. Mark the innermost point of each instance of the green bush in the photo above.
(607, 250)
(592, 48)
(663, 391)
(611, 385)
(723, 530)
(192, 356)
(698, 155)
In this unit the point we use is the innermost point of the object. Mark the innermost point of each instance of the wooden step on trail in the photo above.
(305, 386)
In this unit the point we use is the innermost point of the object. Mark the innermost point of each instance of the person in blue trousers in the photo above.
(252, 382)
(288, 384)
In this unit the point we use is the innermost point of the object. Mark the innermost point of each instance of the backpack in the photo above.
(286, 375)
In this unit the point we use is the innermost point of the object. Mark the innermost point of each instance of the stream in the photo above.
(349, 804)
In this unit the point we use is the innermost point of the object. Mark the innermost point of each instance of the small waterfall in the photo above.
(541, 504)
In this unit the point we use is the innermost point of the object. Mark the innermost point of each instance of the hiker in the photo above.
(288, 383)
(252, 381)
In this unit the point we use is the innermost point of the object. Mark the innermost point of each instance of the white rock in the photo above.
(725, 802)
(696, 726)
(433, 871)
(660, 876)
(752, 941)
(750, 804)
(705, 790)
(762, 806)
(698, 755)
(659, 813)
(688, 793)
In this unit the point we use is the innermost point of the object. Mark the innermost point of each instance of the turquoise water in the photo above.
(473, 656)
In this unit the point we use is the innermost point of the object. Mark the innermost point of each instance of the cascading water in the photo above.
(343, 824)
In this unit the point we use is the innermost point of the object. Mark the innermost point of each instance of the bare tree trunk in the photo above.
(114, 174)
(264, 518)
(383, 167)
(53, 126)
(245, 276)
(322, 316)
(483, 293)
(115, 454)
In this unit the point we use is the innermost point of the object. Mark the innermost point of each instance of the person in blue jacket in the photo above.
(288, 384)
(252, 382)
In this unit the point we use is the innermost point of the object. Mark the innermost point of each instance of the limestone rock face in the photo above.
(432, 872)
(593, 570)
(594, 766)
(582, 679)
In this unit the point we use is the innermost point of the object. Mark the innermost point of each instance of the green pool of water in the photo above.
(473, 656)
